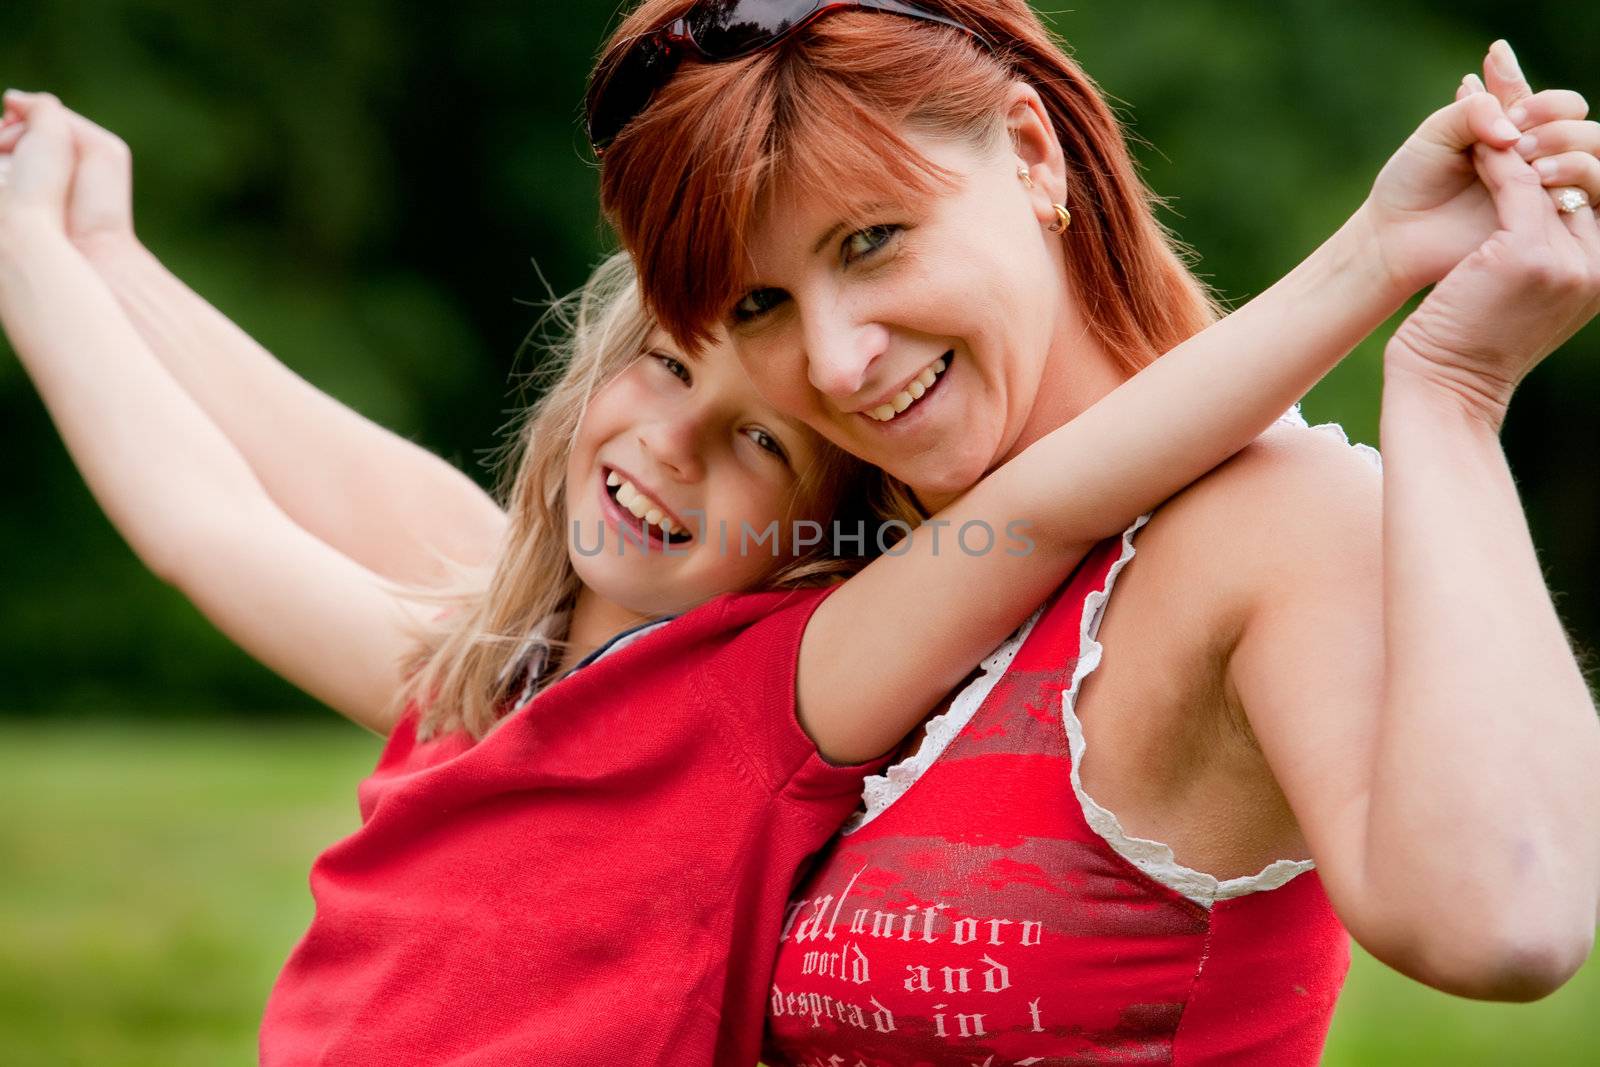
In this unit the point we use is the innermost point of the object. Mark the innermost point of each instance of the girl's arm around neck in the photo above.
(181, 494)
(883, 650)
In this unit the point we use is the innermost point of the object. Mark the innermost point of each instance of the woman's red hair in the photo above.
(825, 112)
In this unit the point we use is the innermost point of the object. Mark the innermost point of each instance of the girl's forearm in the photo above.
(1487, 743)
(1208, 397)
(378, 498)
(157, 466)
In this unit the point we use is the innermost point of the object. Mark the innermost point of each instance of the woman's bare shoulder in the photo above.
(1295, 498)
(1290, 464)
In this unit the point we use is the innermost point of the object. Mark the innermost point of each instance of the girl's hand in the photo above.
(34, 192)
(1427, 205)
(1509, 303)
(99, 208)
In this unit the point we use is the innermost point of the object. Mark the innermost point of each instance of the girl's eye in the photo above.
(757, 302)
(765, 440)
(674, 366)
(864, 243)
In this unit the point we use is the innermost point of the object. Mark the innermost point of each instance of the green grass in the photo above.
(152, 882)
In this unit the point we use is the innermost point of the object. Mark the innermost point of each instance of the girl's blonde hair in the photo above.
(505, 619)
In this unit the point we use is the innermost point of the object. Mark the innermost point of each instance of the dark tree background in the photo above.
(383, 192)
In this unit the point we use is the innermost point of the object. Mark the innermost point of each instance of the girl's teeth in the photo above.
(916, 389)
(901, 401)
(939, 365)
(640, 505)
(927, 376)
(884, 412)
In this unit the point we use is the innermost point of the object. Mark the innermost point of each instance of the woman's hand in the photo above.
(1510, 302)
(1427, 206)
(99, 206)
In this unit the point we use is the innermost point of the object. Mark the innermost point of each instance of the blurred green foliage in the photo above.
(379, 189)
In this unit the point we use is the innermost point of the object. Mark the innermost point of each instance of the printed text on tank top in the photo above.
(978, 916)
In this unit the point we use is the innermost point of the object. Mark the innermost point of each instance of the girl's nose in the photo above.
(676, 443)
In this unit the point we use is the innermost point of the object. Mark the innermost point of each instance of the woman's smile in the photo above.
(906, 403)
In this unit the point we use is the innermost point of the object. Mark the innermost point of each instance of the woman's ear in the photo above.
(1038, 150)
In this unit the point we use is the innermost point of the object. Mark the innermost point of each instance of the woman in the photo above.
(957, 1020)
(1324, 697)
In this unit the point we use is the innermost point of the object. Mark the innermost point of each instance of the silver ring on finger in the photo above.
(1571, 200)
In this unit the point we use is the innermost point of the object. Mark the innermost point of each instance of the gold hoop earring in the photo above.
(1022, 172)
(1063, 219)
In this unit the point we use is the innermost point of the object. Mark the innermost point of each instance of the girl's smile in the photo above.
(635, 510)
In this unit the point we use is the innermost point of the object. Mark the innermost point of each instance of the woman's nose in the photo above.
(840, 354)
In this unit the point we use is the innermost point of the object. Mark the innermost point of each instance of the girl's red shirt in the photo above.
(601, 879)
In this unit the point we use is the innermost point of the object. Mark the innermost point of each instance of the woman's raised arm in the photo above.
(1416, 696)
(380, 499)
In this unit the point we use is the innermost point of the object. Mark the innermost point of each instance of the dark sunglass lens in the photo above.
(619, 94)
(727, 28)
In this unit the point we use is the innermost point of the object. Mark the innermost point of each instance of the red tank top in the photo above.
(980, 919)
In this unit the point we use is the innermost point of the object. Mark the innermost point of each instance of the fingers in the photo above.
(1503, 75)
(1577, 169)
(1553, 138)
(42, 160)
(96, 143)
(18, 104)
(1583, 225)
(1475, 117)
(1520, 198)
(1549, 105)
(11, 119)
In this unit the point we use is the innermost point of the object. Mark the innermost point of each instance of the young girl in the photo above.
(558, 850)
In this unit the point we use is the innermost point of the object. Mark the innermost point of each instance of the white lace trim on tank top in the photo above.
(1154, 858)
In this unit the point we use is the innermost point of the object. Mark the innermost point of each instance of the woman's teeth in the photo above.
(911, 394)
(640, 505)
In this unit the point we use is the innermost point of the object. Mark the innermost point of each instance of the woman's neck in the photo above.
(1078, 372)
(1077, 375)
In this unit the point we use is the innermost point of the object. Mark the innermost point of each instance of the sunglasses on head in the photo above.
(712, 31)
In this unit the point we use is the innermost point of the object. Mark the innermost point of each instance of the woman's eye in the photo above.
(865, 242)
(757, 302)
(674, 366)
(765, 440)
